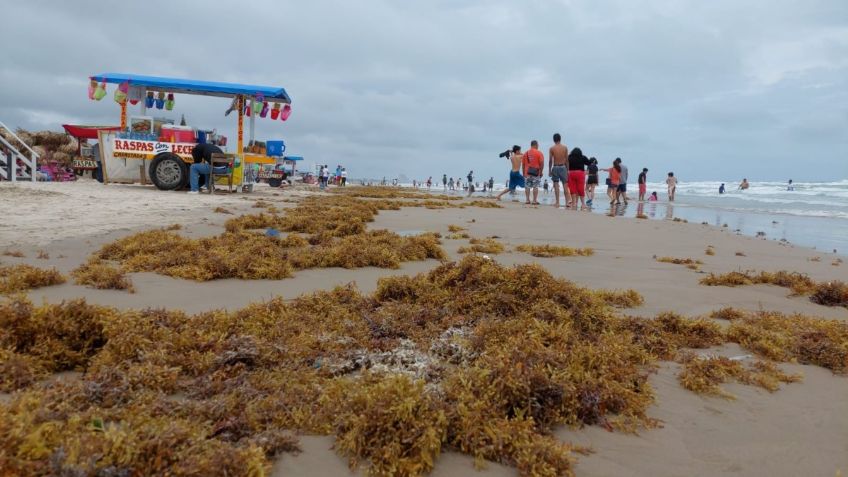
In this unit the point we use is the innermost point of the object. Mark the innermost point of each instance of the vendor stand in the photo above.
(145, 147)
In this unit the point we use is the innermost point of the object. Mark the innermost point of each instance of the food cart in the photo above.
(147, 148)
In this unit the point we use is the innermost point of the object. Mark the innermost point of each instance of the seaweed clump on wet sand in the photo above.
(15, 278)
(486, 245)
(689, 262)
(800, 338)
(704, 374)
(621, 298)
(100, 275)
(554, 251)
(833, 293)
(322, 232)
(47, 339)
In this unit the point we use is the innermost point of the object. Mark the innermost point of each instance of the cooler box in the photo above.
(275, 148)
(171, 133)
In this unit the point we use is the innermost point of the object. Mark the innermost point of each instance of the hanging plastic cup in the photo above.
(285, 113)
(92, 85)
(100, 91)
(275, 111)
(149, 101)
(160, 100)
(169, 103)
(121, 93)
(265, 109)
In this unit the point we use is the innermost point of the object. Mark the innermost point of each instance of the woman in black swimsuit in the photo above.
(591, 180)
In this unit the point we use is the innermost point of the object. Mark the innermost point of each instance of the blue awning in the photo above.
(206, 88)
(293, 158)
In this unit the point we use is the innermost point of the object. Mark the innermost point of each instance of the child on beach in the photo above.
(653, 197)
(671, 182)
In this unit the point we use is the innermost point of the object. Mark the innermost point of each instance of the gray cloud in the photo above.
(707, 89)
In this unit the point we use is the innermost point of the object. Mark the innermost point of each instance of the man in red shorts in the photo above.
(643, 184)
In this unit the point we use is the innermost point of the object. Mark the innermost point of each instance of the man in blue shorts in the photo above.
(516, 179)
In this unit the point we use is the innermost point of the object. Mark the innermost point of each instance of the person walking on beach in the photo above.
(445, 181)
(622, 183)
(344, 176)
(577, 163)
(429, 182)
(515, 178)
(491, 184)
(671, 182)
(591, 180)
(450, 184)
(558, 169)
(643, 184)
(534, 163)
(470, 177)
(613, 180)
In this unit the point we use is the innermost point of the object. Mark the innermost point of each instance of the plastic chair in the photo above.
(221, 160)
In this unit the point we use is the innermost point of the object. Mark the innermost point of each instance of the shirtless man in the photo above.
(516, 179)
(558, 169)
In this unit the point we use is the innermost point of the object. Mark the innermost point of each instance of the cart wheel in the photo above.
(168, 171)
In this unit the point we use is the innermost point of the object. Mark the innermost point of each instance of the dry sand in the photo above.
(800, 430)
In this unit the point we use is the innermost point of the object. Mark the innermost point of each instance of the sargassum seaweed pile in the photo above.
(100, 275)
(472, 356)
(554, 251)
(20, 277)
(469, 356)
(833, 293)
(485, 245)
(321, 232)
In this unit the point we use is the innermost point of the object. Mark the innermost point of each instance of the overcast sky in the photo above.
(709, 89)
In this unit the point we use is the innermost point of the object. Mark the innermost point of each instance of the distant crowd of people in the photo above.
(578, 174)
(325, 177)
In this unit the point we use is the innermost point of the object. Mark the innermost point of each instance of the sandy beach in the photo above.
(801, 429)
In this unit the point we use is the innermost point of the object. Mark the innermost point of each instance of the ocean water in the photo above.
(814, 214)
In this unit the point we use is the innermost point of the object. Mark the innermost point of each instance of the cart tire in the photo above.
(275, 182)
(168, 172)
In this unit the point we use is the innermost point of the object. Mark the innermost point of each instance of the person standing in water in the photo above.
(744, 185)
(515, 178)
(643, 184)
(671, 182)
(577, 163)
(445, 181)
(790, 187)
(721, 188)
(558, 169)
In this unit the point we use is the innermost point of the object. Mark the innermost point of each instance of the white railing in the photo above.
(9, 160)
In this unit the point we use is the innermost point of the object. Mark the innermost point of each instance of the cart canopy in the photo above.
(204, 88)
(87, 132)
